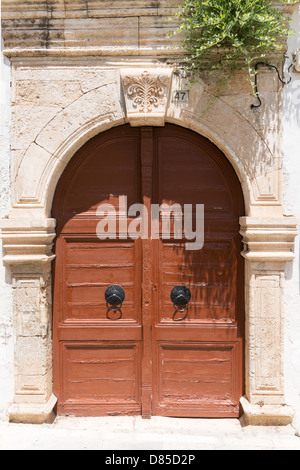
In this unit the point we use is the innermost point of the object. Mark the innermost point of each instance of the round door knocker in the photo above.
(114, 296)
(180, 296)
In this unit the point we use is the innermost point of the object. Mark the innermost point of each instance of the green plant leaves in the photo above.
(231, 33)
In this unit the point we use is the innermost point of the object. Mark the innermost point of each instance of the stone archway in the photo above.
(28, 233)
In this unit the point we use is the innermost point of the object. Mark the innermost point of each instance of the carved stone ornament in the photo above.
(146, 94)
(146, 91)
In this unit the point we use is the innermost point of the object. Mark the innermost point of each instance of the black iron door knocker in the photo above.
(180, 296)
(114, 296)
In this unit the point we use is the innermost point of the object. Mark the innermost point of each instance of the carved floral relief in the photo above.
(146, 94)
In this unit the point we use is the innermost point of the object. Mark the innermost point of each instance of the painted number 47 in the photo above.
(181, 96)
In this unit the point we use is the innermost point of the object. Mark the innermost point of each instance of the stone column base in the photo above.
(265, 415)
(33, 413)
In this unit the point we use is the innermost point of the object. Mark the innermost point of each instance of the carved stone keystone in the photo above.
(146, 93)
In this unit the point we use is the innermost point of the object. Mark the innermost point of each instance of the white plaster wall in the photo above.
(291, 189)
(6, 339)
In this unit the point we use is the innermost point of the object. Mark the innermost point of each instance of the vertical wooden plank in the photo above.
(146, 170)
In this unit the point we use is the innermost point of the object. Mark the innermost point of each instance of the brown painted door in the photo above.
(148, 359)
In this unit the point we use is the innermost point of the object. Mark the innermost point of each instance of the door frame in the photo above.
(28, 236)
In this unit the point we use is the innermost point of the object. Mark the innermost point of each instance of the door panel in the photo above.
(188, 174)
(196, 378)
(103, 170)
(92, 266)
(101, 378)
(148, 359)
(211, 283)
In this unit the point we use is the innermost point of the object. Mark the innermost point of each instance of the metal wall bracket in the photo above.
(282, 80)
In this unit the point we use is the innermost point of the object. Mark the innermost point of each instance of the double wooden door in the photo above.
(148, 358)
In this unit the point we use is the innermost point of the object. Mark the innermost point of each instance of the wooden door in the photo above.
(97, 359)
(198, 362)
(148, 360)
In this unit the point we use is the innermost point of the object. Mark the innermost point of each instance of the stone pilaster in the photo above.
(268, 245)
(28, 254)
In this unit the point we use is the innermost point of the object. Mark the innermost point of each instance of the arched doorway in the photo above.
(148, 358)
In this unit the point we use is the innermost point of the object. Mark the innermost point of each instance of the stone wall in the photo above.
(120, 26)
(76, 69)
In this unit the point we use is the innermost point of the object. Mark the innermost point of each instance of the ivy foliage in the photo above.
(231, 34)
